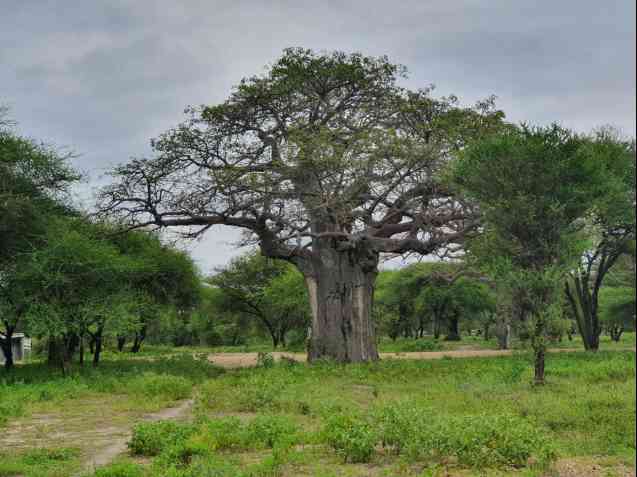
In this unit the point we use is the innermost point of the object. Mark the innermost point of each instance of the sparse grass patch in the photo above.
(39, 462)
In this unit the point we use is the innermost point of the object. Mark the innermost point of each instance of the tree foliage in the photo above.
(534, 187)
(324, 161)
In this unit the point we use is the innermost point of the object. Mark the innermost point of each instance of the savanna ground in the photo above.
(170, 412)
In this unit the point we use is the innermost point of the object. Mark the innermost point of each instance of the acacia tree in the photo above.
(167, 278)
(264, 289)
(612, 234)
(534, 186)
(34, 181)
(325, 162)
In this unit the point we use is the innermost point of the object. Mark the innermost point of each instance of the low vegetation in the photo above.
(392, 418)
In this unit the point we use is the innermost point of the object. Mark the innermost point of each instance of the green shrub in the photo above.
(481, 441)
(258, 394)
(350, 436)
(150, 438)
(421, 345)
(120, 469)
(222, 433)
(265, 360)
(164, 386)
(45, 456)
(268, 430)
(396, 424)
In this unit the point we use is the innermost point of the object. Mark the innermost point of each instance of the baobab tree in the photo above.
(324, 161)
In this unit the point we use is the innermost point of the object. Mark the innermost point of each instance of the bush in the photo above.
(350, 436)
(161, 386)
(150, 438)
(258, 394)
(481, 441)
(265, 360)
(421, 345)
(268, 430)
(223, 433)
(44, 456)
(120, 469)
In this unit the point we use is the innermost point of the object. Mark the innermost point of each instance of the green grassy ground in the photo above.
(400, 345)
(393, 418)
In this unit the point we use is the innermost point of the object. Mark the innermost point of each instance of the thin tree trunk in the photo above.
(341, 294)
(436, 326)
(70, 343)
(82, 350)
(98, 348)
(615, 332)
(454, 329)
(539, 366)
(6, 343)
(121, 341)
(139, 339)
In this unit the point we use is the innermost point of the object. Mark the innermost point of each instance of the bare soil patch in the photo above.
(243, 360)
(589, 467)
(95, 426)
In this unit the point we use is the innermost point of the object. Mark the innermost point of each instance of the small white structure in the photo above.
(21, 347)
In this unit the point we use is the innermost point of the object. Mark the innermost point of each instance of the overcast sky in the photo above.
(103, 77)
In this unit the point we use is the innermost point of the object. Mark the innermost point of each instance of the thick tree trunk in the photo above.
(341, 289)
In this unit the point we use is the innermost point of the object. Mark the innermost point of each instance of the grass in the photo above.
(411, 418)
(386, 345)
(478, 416)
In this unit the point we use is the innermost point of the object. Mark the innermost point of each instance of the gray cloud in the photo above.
(103, 77)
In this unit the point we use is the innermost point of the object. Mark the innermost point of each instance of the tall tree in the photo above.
(612, 233)
(325, 162)
(34, 181)
(533, 186)
(257, 286)
(67, 283)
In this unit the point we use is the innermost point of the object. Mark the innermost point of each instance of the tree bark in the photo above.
(82, 350)
(341, 287)
(98, 349)
(7, 347)
(615, 332)
(454, 329)
(98, 340)
(539, 365)
(139, 339)
(436, 326)
(70, 343)
(121, 341)
(584, 307)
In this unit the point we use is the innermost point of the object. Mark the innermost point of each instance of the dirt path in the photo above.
(242, 360)
(117, 446)
(96, 426)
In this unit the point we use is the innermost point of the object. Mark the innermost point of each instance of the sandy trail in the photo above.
(93, 425)
(243, 360)
(117, 446)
